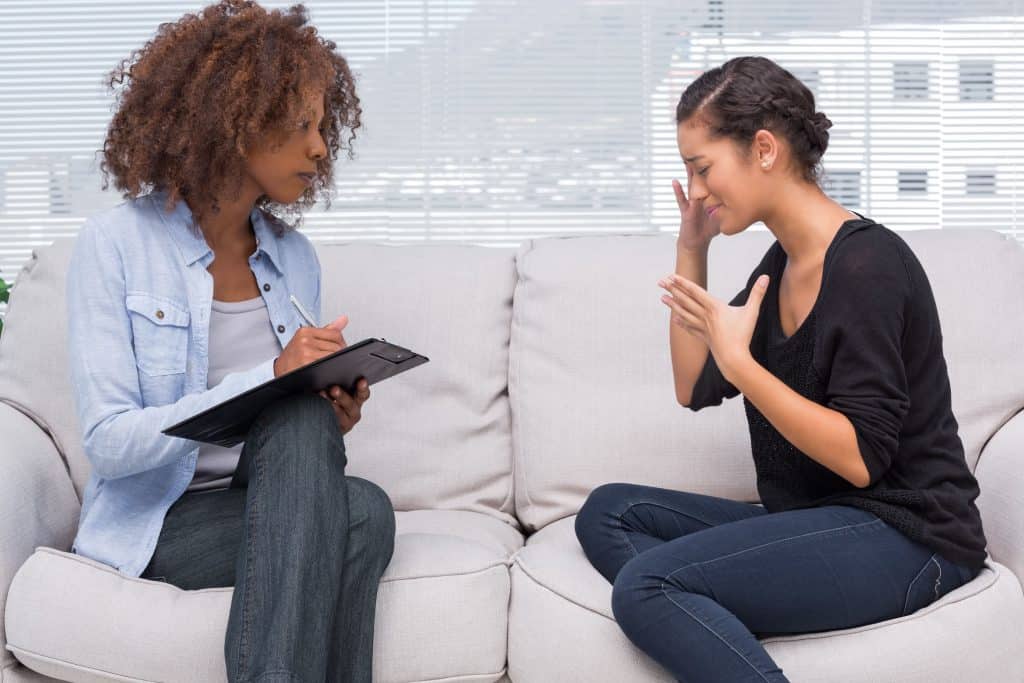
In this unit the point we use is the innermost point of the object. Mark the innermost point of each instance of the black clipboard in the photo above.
(227, 423)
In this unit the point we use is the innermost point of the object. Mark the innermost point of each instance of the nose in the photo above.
(318, 149)
(696, 189)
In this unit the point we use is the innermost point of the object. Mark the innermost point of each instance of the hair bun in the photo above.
(817, 127)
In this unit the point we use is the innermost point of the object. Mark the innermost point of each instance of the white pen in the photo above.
(302, 311)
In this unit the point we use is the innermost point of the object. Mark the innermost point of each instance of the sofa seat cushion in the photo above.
(559, 600)
(442, 611)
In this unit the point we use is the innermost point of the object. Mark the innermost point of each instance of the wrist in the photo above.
(699, 249)
(736, 367)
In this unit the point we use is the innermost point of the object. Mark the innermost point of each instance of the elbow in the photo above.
(861, 476)
(684, 397)
(101, 457)
(103, 465)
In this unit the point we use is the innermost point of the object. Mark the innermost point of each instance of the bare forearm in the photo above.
(689, 352)
(824, 435)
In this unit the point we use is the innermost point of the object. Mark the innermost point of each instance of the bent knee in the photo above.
(634, 584)
(371, 509)
(639, 583)
(300, 413)
(603, 503)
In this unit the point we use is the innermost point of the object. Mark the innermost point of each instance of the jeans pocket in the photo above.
(937, 577)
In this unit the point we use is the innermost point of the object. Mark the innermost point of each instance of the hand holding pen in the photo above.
(311, 343)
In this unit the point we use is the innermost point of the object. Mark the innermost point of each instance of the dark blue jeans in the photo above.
(696, 577)
(303, 544)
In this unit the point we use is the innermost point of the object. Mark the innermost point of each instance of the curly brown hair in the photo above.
(213, 85)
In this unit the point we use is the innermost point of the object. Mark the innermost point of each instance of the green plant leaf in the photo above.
(4, 291)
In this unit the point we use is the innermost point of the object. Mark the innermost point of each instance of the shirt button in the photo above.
(266, 287)
(160, 314)
(280, 328)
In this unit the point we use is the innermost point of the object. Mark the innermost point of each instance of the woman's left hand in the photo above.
(347, 408)
(727, 330)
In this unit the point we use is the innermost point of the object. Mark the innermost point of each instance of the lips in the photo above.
(308, 177)
(712, 210)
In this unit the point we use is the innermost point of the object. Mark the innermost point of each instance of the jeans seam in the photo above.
(250, 562)
(713, 632)
(765, 545)
(291, 676)
(654, 504)
(906, 599)
(663, 506)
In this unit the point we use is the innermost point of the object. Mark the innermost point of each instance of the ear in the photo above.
(765, 149)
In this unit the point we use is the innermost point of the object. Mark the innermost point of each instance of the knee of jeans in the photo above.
(299, 412)
(602, 503)
(296, 417)
(371, 508)
(634, 585)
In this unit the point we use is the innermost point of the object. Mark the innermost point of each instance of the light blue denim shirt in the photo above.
(139, 297)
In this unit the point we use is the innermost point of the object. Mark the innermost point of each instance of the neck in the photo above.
(230, 232)
(805, 221)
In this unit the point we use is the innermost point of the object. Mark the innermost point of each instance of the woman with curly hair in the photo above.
(868, 504)
(180, 297)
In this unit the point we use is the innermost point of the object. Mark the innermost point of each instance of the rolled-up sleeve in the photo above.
(862, 321)
(120, 435)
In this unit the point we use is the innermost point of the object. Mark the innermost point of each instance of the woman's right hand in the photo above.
(310, 344)
(696, 228)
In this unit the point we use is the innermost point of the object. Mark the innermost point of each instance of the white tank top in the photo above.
(241, 337)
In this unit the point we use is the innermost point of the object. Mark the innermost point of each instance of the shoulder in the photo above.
(130, 224)
(870, 258)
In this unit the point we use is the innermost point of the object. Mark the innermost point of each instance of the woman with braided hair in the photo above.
(180, 298)
(868, 505)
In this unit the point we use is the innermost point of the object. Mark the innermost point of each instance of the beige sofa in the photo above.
(549, 375)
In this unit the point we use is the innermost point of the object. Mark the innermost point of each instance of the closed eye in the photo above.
(703, 171)
(305, 126)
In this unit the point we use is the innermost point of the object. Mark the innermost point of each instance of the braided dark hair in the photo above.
(747, 94)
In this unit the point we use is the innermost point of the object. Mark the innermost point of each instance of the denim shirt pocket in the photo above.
(160, 328)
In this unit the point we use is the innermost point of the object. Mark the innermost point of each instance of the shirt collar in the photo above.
(193, 246)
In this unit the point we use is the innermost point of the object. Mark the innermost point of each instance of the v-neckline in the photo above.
(779, 336)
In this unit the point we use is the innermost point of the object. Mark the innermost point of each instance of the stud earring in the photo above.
(764, 164)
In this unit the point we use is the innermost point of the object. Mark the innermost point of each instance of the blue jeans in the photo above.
(303, 544)
(696, 577)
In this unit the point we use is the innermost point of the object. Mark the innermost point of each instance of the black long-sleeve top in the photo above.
(870, 348)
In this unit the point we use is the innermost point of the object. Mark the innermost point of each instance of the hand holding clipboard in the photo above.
(310, 344)
(370, 360)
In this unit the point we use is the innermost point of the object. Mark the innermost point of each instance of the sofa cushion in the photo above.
(442, 612)
(590, 375)
(37, 503)
(560, 600)
(438, 437)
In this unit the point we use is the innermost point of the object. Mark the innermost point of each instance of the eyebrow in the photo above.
(693, 158)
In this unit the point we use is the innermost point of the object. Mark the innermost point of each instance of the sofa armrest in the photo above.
(1000, 474)
(38, 505)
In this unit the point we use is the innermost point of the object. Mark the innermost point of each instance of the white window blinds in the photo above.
(496, 121)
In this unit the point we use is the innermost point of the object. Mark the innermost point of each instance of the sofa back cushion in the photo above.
(591, 376)
(436, 437)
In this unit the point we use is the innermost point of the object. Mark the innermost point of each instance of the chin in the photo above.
(733, 228)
